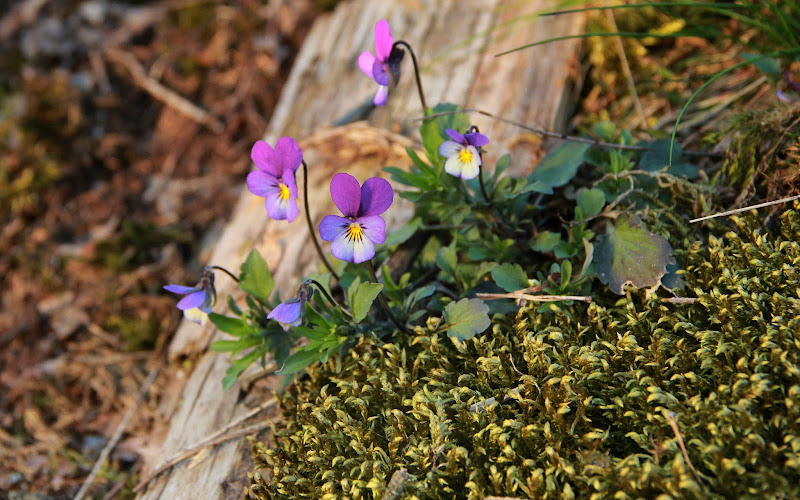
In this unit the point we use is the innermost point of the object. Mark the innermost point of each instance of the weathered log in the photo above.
(456, 43)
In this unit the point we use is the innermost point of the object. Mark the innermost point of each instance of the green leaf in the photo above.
(433, 130)
(591, 202)
(629, 253)
(605, 130)
(299, 360)
(234, 326)
(235, 345)
(558, 167)
(657, 155)
(770, 66)
(546, 241)
(233, 306)
(447, 260)
(363, 298)
(510, 277)
(255, 278)
(402, 235)
(466, 318)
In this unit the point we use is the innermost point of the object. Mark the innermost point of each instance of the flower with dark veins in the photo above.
(353, 237)
(198, 299)
(274, 179)
(463, 156)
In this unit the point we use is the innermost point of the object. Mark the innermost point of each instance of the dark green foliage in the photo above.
(573, 401)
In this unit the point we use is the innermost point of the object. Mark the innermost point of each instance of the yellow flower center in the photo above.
(285, 194)
(465, 156)
(355, 232)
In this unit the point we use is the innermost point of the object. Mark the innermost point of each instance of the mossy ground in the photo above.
(573, 402)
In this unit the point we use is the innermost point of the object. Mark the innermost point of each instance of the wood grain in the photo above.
(456, 42)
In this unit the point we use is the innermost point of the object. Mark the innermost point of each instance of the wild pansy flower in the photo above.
(274, 179)
(290, 313)
(385, 64)
(463, 157)
(354, 236)
(198, 299)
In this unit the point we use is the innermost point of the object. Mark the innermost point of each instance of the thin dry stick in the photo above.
(744, 209)
(674, 424)
(532, 298)
(162, 93)
(679, 300)
(117, 434)
(565, 137)
(626, 69)
(212, 440)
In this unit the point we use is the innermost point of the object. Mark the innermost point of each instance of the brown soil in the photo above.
(107, 193)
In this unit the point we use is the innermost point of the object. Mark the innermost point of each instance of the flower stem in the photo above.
(311, 226)
(416, 73)
(382, 299)
(324, 292)
(218, 268)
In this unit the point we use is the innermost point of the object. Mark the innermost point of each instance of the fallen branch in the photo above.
(532, 298)
(117, 434)
(162, 93)
(744, 209)
(212, 440)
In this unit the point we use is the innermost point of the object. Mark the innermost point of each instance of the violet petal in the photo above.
(288, 154)
(476, 139)
(346, 194)
(264, 158)
(331, 226)
(374, 228)
(381, 96)
(183, 290)
(366, 61)
(261, 183)
(376, 197)
(383, 39)
(192, 300)
(456, 136)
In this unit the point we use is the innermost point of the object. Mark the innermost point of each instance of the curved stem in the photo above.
(382, 299)
(324, 292)
(218, 268)
(416, 73)
(311, 225)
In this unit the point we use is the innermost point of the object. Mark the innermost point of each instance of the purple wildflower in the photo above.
(198, 299)
(463, 157)
(384, 64)
(290, 313)
(274, 179)
(353, 237)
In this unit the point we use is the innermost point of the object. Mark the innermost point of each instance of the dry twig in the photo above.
(532, 298)
(212, 440)
(674, 424)
(162, 93)
(744, 209)
(117, 434)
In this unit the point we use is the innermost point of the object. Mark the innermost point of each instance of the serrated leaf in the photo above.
(657, 155)
(591, 202)
(629, 253)
(363, 297)
(546, 241)
(466, 318)
(510, 277)
(233, 326)
(558, 167)
(255, 278)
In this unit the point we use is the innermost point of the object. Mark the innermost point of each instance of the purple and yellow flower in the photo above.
(384, 64)
(198, 299)
(354, 236)
(290, 313)
(274, 179)
(463, 157)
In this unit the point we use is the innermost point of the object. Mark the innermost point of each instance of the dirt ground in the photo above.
(125, 131)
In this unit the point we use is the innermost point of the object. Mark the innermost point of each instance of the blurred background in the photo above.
(125, 132)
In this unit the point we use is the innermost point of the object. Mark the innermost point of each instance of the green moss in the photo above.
(574, 402)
